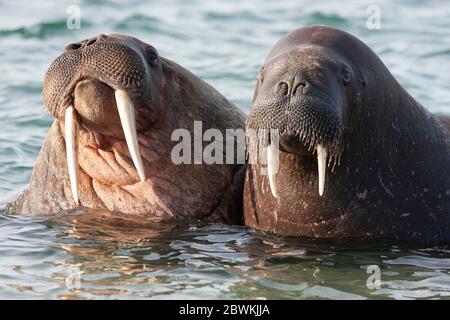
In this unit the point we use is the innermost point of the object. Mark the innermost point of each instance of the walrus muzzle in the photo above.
(104, 67)
(306, 117)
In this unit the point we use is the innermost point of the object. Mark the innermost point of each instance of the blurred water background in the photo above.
(223, 42)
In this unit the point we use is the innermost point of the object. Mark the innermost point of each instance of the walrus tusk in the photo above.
(272, 167)
(128, 121)
(322, 165)
(70, 133)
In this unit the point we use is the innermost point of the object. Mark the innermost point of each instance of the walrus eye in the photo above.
(152, 56)
(346, 75)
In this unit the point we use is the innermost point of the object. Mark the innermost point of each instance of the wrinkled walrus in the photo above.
(116, 103)
(350, 153)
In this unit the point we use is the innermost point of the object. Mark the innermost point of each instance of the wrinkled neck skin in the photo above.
(108, 178)
(380, 189)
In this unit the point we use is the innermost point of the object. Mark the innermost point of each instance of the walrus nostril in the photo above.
(73, 46)
(282, 88)
(90, 42)
(97, 39)
(296, 86)
(93, 40)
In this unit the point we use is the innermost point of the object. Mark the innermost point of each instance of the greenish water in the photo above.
(92, 256)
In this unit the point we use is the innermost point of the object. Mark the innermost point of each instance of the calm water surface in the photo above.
(96, 255)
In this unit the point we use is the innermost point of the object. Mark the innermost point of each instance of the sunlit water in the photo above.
(98, 256)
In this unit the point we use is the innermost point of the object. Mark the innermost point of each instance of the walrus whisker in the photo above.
(125, 107)
(71, 132)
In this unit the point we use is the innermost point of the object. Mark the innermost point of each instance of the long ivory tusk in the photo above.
(72, 162)
(128, 120)
(322, 165)
(272, 167)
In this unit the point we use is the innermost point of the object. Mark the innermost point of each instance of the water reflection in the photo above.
(112, 256)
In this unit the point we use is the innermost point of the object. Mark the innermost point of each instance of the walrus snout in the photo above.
(299, 96)
(120, 62)
(103, 81)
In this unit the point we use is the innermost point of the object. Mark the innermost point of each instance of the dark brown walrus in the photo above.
(336, 105)
(116, 103)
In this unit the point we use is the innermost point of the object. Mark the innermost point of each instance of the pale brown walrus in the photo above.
(358, 156)
(116, 103)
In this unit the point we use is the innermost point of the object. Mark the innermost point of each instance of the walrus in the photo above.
(115, 103)
(350, 154)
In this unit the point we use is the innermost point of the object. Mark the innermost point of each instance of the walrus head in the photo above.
(97, 86)
(301, 94)
(119, 108)
(330, 97)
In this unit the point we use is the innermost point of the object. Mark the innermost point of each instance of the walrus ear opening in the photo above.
(259, 81)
